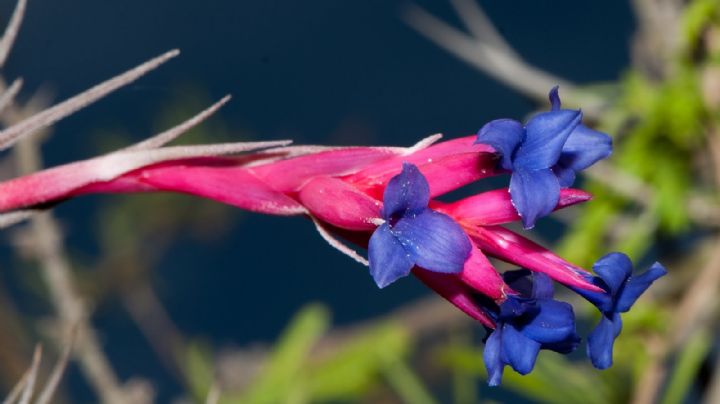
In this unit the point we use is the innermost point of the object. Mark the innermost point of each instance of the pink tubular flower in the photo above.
(385, 199)
(344, 190)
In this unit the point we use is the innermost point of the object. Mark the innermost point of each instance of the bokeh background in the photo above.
(184, 292)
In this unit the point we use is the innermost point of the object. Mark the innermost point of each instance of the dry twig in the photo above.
(8, 95)
(29, 388)
(485, 49)
(57, 373)
(11, 31)
(11, 135)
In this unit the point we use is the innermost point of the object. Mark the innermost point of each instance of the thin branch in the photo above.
(485, 49)
(712, 396)
(11, 31)
(15, 217)
(213, 396)
(480, 25)
(657, 37)
(57, 373)
(32, 377)
(17, 389)
(701, 210)
(497, 63)
(58, 279)
(8, 96)
(171, 134)
(11, 135)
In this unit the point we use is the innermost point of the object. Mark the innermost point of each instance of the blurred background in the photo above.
(185, 298)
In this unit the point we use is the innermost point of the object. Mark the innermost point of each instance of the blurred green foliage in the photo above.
(659, 129)
(298, 371)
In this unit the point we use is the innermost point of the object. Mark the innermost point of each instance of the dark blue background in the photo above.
(327, 71)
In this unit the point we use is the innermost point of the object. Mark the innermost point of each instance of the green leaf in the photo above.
(358, 365)
(555, 380)
(198, 369)
(584, 241)
(687, 367)
(406, 384)
(698, 14)
(282, 379)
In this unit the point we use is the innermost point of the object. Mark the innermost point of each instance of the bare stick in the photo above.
(700, 209)
(32, 377)
(171, 134)
(11, 31)
(213, 396)
(8, 96)
(12, 218)
(500, 65)
(11, 135)
(480, 25)
(58, 371)
(17, 389)
(58, 279)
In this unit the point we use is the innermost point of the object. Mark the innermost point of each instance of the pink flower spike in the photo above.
(290, 174)
(61, 182)
(423, 155)
(453, 290)
(334, 201)
(511, 247)
(494, 207)
(447, 166)
(480, 275)
(231, 185)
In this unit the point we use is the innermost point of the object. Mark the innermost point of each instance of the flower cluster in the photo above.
(385, 199)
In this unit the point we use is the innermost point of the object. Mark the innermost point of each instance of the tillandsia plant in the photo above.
(385, 199)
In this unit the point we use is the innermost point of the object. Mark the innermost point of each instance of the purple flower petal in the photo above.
(614, 268)
(406, 192)
(554, 98)
(554, 322)
(519, 350)
(436, 241)
(584, 147)
(637, 285)
(601, 340)
(513, 308)
(492, 356)
(532, 285)
(565, 346)
(542, 286)
(545, 136)
(603, 301)
(565, 175)
(388, 259)
(503, 135)
(534, 194)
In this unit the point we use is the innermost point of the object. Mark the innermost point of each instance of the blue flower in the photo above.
(527, 323)
(622, 290)
(413, 234)
(544, 155)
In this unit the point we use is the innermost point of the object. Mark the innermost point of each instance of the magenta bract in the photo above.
(340, 188)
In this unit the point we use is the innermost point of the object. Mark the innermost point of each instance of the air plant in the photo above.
(385, 199)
